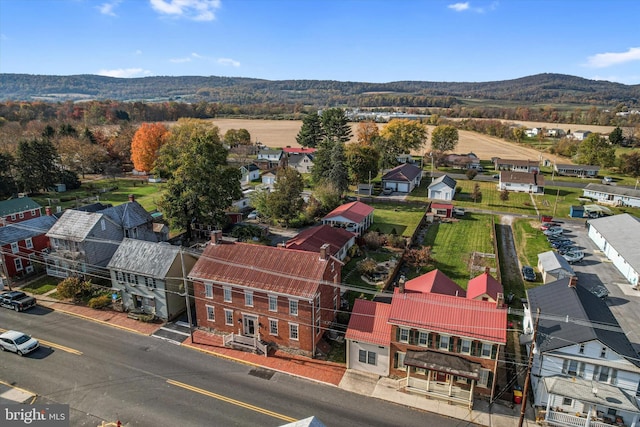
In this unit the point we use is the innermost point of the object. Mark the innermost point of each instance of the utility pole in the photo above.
(555, 205)
(186, 294)
(525, 389)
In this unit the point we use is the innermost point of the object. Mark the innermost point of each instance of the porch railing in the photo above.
(250, 343)
(567, 420)
(439, 390)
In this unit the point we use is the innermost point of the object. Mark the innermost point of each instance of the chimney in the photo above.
(216, 237)
(281, 245)
(573, 281)
(47, 211)
(499, 300)
(401, 281)
(132, 198)
(324, 252)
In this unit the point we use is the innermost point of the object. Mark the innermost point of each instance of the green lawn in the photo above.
(518, 203)
(41, 285)
(452, 245)
(404, 218)
(529, 243)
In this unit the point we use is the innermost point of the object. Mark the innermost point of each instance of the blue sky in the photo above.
(346, 40)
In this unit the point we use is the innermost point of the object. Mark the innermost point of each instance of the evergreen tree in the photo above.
(322, 161)
(338, 174)
(285, 202)
(310, 134)
(36, 165)
(335, 126)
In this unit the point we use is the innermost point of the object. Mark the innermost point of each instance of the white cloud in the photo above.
(197, 10)
(459, 7)
(124, 72)
(180, 60)
(228, 61)
(602, 60)
(107, 8)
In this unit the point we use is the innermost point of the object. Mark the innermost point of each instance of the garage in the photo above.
(403, 187)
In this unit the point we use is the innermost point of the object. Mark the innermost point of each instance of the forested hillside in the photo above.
(538, 89)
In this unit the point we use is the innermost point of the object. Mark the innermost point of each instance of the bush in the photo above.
(367, 266)
(471, 173)
(99, 301)
(374, 240)
(73, 287)
(396, 241)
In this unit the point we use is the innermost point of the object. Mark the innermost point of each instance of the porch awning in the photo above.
(583, 390)
(441, 362)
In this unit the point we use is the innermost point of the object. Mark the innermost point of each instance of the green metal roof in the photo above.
(14, 206)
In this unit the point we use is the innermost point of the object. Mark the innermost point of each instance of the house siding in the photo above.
(40, 243)
(612, 254)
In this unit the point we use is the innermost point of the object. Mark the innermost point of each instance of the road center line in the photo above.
(232, 401)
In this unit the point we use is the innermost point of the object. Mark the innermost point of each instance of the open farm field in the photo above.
(282, 133)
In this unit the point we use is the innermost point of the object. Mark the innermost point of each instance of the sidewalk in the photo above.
(328, 373)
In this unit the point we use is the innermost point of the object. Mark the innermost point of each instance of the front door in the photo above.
(249, 325)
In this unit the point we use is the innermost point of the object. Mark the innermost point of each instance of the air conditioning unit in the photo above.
(29, 269)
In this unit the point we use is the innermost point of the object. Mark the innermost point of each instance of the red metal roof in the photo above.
(450, 315)
(442, 206)
(312, 238)
(293, 150)
(354, 211)
(268, 268)
(369, 322)
(434, 282)
(484, 284)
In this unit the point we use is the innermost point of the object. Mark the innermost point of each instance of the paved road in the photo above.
(146, 381)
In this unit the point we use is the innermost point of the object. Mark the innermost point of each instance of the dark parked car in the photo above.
(528, 274)
(16, 300)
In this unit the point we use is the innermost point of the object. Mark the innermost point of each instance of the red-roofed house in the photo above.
(403, 178)
(264, 294)
(447, 347)
(434, 282)
(356, 217)
(299, 150)
(485, 288)
(368, 337)
(312, 239)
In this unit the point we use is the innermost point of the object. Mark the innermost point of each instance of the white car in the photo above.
(253, 215)
(18, 342)
(573, 256)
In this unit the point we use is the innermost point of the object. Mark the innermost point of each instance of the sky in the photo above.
(375, 41)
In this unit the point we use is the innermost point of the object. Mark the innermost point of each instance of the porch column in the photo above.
(588, 423)
(546, 412)
(473, 383)
(634, 423)
(450, 384)
(408, 369)
(428, 379)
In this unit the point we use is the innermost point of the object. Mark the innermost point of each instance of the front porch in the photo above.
(244, 342)
(555, 418)
(439, 390)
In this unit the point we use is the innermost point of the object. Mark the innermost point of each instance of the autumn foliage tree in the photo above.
(146, 144)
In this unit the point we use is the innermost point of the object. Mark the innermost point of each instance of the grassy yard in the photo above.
(352, 277)
(453, 244)
(529, 242)
(403, 218)
(518, 203)
(42, 285)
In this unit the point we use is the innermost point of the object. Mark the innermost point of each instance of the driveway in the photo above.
(597, 270)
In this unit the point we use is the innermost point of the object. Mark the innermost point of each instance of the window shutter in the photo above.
(430, 340)
(413, 336)
(395, 360)
(437, 341)
(450, 343)
(397, 334)
(494, 351)
(458, 344)
(565, 366)
(490, 380)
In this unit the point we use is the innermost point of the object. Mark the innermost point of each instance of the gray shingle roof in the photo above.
(128, 215)
(614, 189)
(74, 225)
(403, 172)
(552, 261)
(30, 228)
(583, 309)
(446, 179)
(144, 258)
(622, 232)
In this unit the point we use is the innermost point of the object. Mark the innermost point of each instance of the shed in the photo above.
(553, 266)
(576, 211)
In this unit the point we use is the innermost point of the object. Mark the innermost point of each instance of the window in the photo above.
(227, 294)
(273, 326)
(293, 307)
(486, 350)
(483, 380)
(33, 212)
(423, 338)
(248, 298)
(131, 278)
(273, 303)
(211, 315)
(368, 357)
(465, 346)
(119, 276)
(14, 247)
(21, 215)
(208, 290)
(28, 243)
(151, 283)
(566, 401)
(103, 225)
(581, 349)
(444, 342)
(18, 263)
(603, 352)
(228, 317)
(13, 217)
(605, 374)
(399, 361)
(403, 335)
(318, 325)
(293, 331)
(573, 368)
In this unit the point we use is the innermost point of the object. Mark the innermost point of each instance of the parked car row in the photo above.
(563, 245)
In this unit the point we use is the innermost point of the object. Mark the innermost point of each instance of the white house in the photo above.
(244, 202)
(250, 172)
(356, 217)
(590, 171)
(612, 195)
(442, 188)
(585, 371)
(552, 266)
(617, 237)
(521, 182)
(368, 337)
(580, 135)
(268, 179)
